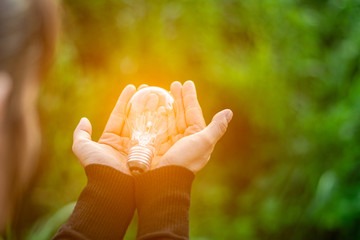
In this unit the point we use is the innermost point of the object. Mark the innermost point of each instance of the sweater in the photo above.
(107, 204)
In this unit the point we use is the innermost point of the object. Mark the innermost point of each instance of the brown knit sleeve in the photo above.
(105, 206)
(163, 201)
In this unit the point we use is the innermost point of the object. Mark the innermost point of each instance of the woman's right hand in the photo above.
(195, 141)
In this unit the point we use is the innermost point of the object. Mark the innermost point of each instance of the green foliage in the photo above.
(46, 228)
(289, 70)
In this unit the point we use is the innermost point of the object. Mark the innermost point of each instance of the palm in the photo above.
(102, 153)
(165, 146)
(113, 150)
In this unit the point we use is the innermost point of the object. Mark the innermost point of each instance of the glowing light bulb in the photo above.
(150, 117)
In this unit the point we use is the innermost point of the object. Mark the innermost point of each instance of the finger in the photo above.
(116, 121)
(82, 134)
(142, 86)
(193, 113)
(175, 90)
(216, 129)
(171, 125)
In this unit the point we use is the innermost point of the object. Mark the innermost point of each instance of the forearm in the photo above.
(163, 202)
(104, 208)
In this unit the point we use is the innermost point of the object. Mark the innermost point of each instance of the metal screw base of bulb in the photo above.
(139, 159)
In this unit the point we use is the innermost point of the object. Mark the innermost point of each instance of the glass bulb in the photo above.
(150, 117)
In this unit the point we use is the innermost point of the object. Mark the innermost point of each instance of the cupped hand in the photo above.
(193, 142)
(112, 147)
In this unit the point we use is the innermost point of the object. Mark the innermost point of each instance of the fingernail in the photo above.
(190, 82)
(229, 115)
(82, 120)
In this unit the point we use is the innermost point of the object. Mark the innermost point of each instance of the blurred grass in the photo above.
(47, 227)
(289, 69)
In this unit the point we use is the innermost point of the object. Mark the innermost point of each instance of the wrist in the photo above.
(114, 164)
(166, 178)
(100, 209)
(162, 199)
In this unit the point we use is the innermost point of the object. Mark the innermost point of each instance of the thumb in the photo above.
(82, 132)
(216, 129)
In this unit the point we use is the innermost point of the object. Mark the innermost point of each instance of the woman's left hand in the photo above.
(111, 149)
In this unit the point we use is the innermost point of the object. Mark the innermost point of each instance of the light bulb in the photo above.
(150, 117)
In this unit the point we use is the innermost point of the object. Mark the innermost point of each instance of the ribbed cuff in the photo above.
(105, 207)
(163, 202)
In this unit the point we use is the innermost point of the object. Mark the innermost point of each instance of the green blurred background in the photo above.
(289, 69)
